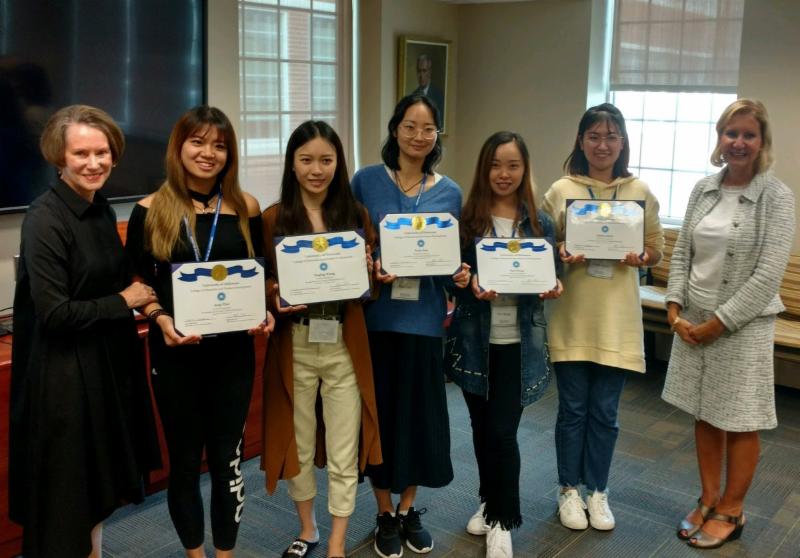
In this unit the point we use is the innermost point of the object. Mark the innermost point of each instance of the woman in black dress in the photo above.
(82, 430)
(202, 386)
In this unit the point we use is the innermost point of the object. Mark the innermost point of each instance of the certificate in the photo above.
(321, 267)
(419, 244)
(605, 229)
(515, 265)
(218, 296)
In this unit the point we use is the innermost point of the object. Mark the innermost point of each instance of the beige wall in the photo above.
(770, 71)
(524, 67)
(516, 65)
(381, 23)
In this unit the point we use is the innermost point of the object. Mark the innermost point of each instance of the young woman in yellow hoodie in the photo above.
(595, 331)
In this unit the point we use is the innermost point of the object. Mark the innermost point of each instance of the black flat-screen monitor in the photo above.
(142, 61)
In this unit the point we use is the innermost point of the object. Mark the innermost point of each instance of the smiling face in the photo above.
(507, 170)
(601, 144)
(419, 117)
(203, 154)
(87, 160)
(314, 166)
(740, 143)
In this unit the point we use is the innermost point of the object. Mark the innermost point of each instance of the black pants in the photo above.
(203, 394)
(495, 422)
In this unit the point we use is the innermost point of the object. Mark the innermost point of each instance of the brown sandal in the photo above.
(704, 540)
(687, 529)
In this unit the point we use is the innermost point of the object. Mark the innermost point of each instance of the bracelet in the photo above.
(156, 313)
(675, 322)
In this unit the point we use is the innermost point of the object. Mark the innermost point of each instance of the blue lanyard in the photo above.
(614, 197)
(421, 190)
(211, 235)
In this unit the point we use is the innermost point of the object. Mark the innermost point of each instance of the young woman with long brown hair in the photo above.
(202, 385)
(496, 348)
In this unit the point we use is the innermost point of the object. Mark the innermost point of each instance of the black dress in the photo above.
(82, 428)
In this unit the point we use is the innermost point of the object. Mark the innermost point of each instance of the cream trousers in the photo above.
(326, 367)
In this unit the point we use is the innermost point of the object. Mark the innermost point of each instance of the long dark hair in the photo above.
(576, 164)
(340, 210)
(476, 217)
(390, 153)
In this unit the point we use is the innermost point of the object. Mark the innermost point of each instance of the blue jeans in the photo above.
(586, 427)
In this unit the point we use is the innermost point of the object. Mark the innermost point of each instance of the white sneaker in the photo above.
(477, 523)
(600, 515)
(571, 510)
(498, 543)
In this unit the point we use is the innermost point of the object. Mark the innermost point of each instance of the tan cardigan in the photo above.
(279, 451)
(600, 320)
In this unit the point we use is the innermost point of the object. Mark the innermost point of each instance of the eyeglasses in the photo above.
(597, 139)
(409, 131)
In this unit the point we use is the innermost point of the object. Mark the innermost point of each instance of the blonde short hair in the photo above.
(758, 111)
(53, 142)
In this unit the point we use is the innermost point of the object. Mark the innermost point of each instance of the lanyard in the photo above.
(614, 197)
(421, 190)
(211, 235)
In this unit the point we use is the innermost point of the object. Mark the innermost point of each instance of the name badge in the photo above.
(406, 288)
(504, 315)
(323, 331)
(602, 269)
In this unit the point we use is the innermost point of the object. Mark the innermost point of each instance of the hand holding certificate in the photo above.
(218, 296)
(605, 229)
(321, 267)
(420, 244)
(515, 265)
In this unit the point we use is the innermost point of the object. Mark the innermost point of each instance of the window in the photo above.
(292, 67)
(675, 67)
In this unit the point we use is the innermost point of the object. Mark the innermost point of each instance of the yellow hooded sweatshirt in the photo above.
(600, 320)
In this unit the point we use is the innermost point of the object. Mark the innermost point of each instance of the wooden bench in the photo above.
(787, 325)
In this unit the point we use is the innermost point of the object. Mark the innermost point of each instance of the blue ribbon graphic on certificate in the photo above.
(217, 271)
(320, 240)
(604, 229)
(414, 222)
(513, 246)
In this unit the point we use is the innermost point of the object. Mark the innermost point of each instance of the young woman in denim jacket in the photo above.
(496, 348)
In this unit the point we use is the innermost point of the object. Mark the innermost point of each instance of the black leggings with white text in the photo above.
(203, 394)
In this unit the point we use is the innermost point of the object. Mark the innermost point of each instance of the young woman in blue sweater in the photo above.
(405, 326)
(496, 348)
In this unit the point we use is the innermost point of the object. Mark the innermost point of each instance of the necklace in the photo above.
(204, 200)
(400, 184)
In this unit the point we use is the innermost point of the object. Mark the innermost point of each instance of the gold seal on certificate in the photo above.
(419, 244)
(219, 296)
(321, 267)
(219, 272)
(515, 265)
(320, 244)
(605, 229)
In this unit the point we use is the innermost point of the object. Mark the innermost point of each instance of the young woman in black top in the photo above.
(202, 386)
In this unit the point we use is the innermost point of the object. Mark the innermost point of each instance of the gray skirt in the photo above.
(730, 383)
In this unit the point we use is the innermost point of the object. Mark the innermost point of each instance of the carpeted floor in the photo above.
(653, 484)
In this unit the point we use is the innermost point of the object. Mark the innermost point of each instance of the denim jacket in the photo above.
(466, 356)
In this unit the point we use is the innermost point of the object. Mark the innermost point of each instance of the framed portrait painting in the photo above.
(422, 68)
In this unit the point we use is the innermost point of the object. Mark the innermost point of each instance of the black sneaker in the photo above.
(387, 536)
(417, 537)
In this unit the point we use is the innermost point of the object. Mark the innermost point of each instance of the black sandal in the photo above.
(299, 548)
